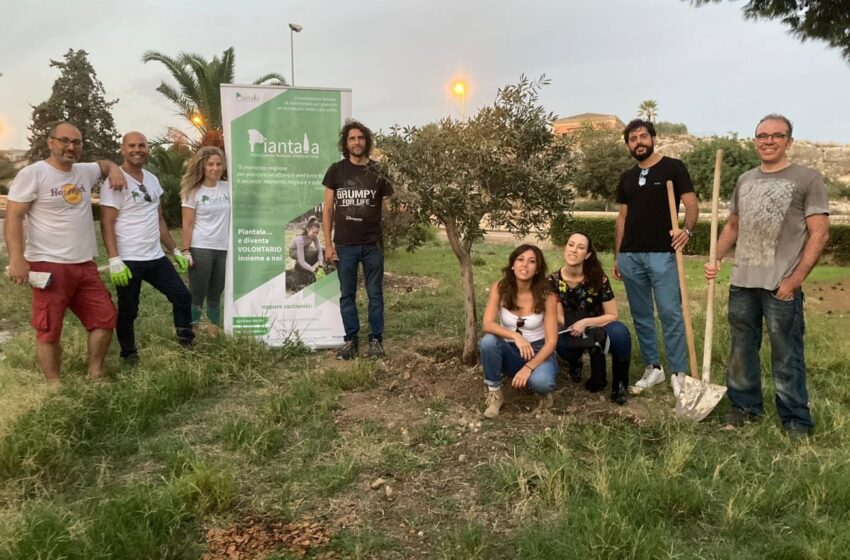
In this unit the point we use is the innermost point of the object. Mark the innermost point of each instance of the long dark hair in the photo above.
(539, 284)
(591, 267)
(350, 125)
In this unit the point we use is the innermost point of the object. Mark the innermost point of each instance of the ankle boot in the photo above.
(619, 379)
(575, 371)
(598, 374)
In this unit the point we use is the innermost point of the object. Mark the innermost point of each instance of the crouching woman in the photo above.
(521, 326)
(588, 310)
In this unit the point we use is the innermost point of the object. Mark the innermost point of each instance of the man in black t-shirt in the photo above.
(354, 193)
(645, 252)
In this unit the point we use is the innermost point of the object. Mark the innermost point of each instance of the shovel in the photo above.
(698, 398)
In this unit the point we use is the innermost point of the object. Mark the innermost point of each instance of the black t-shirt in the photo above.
(647, 227)
(358, 192)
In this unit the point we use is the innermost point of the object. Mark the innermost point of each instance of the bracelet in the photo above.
(687, 231)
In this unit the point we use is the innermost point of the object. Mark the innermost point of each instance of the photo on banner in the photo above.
(279, 143)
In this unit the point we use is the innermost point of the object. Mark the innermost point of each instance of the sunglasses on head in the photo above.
(642, 178)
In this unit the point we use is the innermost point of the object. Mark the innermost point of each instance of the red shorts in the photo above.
(74, 286)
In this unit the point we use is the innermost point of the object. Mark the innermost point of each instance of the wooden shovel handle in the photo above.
(712, 259)
(680, 264)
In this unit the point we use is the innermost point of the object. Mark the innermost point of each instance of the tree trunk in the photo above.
(462, 251)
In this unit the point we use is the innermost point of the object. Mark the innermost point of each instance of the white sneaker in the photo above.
(651, 376)
(677, 381)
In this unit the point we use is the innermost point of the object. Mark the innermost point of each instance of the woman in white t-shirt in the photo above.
(521, 322)
(206, 228)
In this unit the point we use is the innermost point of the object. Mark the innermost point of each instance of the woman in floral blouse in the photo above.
(587, 303)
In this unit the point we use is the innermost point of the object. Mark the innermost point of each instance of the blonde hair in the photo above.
(194, 175)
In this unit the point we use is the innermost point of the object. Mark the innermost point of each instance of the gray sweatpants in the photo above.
(206, 282)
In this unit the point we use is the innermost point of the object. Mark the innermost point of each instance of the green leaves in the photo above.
(78, 97)
(197, 96)
(738, 156)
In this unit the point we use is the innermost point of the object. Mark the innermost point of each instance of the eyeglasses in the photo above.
(776, 136)
(65, 141)
(520, 323)
(145, 192)
(642, 178)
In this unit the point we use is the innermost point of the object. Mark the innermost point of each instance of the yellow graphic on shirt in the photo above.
(72, 194)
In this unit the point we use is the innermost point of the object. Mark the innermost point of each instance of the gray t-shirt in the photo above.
(772, 209)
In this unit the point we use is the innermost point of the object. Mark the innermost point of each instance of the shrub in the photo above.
(601, 230)
(738, 156)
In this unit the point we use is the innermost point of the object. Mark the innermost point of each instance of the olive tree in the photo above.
(503, 165)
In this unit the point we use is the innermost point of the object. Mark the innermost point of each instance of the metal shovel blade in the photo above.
(697, 398)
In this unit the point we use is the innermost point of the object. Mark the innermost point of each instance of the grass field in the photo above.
(294, 453)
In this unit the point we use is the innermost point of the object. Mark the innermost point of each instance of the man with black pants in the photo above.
(133, 228)
(354, 193)
(644, 250)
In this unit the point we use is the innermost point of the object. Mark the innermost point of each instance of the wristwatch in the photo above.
(689, 232)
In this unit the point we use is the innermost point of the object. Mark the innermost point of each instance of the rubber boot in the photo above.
(196, 314)
(620, 379)
(575, 371)
(214, 314)
(598, 373)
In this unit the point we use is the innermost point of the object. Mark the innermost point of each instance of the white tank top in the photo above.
(532, 329)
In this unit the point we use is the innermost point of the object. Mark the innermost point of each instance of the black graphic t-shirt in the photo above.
(582, 298)
(647, 227)
(358, 193)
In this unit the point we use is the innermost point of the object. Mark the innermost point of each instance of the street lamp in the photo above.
(293, 29)
(460, 89)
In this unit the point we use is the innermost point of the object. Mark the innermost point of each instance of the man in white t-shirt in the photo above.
(54, 196)
(133, 228)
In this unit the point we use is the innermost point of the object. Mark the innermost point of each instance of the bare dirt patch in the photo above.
(427, 401)
(828, 297)
(256, 538)
(406, 283)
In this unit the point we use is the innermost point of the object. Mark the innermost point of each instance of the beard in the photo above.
(642, 156)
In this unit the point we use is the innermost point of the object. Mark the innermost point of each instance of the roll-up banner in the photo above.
(279, 142)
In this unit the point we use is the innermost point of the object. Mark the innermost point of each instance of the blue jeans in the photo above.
(350, 257)
(500, 357)
(748, 309)
(161, 275)
(619, 340)
(649, 276)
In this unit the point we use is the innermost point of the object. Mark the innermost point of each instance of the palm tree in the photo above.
(197, 94)
(648, 109)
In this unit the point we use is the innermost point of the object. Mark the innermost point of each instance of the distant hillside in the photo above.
(832, 160)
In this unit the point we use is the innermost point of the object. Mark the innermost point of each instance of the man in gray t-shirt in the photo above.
(779, 224)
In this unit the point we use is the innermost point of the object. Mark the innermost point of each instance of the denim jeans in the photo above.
(350, 257)
(619, 343)
(749, 308)
(649, 276)
(161, 275)
(500, 357)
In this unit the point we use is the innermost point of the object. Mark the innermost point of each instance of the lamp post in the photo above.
(460, 89)
(293, 29)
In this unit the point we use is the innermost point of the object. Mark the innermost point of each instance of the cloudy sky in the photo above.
(706, 67)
